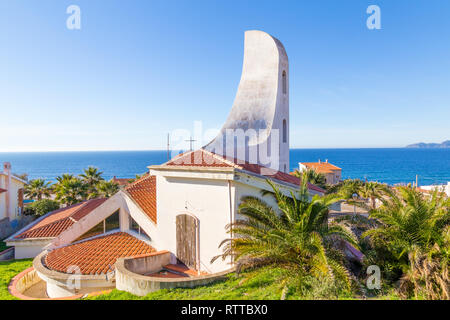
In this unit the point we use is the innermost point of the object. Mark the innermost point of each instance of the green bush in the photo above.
(44, 206)
(29, 211)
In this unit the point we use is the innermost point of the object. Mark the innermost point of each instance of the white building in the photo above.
(183, 206)
(443, 188)
(332, 173)
(11, 194)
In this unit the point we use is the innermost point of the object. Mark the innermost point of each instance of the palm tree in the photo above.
(108, 188)
(71, 191)
(312, 176)
(296, 236)
(372, 191)
(413, 228)
(65, 177)
(37, 189)
(347, 188)
(92, 177)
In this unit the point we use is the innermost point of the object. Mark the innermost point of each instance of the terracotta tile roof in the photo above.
(203, 158)
(321, 167)
(55, 222)
(121, 182)
(143, 192)
(199, 158)
(95, 256)
(2, 190)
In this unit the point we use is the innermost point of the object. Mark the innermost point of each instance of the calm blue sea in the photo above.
(384, 165)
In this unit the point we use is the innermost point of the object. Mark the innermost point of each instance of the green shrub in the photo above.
(29, 211)
(44, 206)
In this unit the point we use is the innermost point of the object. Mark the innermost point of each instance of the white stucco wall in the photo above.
(29, 249)
(261, 104)
(206, 199)
(13, 191)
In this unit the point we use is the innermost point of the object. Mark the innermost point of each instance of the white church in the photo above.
(163, 230)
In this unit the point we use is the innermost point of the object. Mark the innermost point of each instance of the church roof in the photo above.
(98, 255)
(203, 158)
(55, 222)
(143, 192)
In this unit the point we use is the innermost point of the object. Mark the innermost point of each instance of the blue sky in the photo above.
(140, 69)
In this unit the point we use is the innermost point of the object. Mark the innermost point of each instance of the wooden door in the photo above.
(187, 240)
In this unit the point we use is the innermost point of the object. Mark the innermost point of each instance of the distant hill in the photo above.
(445, 144)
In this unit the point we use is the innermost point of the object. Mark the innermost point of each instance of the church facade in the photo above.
(180, 209)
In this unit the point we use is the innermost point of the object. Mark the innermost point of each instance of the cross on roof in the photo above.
(190, 142)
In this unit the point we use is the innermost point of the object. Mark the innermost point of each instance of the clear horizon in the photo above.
(136, 71)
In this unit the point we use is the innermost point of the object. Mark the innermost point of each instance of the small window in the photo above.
(284, 82)
(284, 130)
(134, 226)
(112, 222)
(137, 228)
(95, 231)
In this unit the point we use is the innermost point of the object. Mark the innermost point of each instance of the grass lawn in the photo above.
(259, 285)
(9, 269)
(262, 284)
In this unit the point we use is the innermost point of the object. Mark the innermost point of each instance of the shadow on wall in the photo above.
(8, 228)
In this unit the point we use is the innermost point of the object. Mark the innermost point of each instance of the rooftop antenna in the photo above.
(190, 142)
(168, 147)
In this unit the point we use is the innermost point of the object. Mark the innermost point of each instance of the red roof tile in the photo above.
(143, 192)
(199, 158)
(321, 167)
(203, 158)
(96, 256)
(121, 182)
(60, 220)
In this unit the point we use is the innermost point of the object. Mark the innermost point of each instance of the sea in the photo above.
(391, 165)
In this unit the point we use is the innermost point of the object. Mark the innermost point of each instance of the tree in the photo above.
(92, 177)
(65, 177)
(23, 176)
(414, 230)
(347, 188)
(372, 191)
(108, 188)
(37, 189)
(312, 176)
(44, 206)
(71, 191)
(296, 235)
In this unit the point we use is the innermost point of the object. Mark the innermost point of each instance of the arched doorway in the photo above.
(187, 240)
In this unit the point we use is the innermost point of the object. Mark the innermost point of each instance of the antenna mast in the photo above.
(168, 147)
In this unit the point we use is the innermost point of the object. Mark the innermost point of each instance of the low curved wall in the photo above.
(148, 263)
(63, 285)
(25, 280)
(140, 285)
